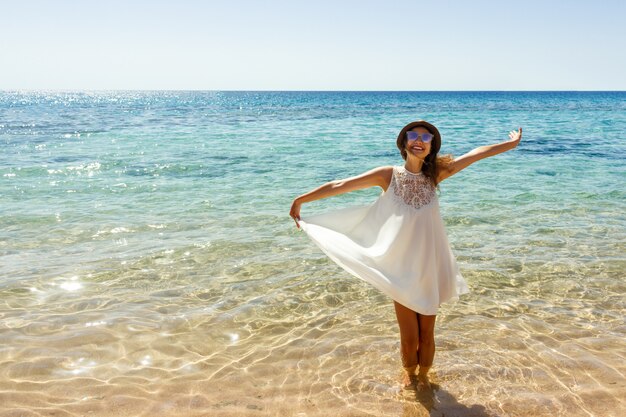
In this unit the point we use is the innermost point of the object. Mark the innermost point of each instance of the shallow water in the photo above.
(149, 266)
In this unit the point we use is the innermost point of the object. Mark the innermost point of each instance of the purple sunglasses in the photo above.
(426, 137)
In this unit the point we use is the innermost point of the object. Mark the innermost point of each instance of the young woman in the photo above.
(398, 243)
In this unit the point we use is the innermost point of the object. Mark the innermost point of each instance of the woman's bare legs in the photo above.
(426, 351)
(409, 341)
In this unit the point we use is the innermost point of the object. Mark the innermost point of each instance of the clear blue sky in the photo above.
(313, 45)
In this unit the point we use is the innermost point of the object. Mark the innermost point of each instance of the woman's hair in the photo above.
(433, 163)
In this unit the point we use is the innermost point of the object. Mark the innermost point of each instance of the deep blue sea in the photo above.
(148, 261)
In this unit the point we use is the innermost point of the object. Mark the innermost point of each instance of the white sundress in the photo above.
(397, 243)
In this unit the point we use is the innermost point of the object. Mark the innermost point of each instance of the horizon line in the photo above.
(305, 91)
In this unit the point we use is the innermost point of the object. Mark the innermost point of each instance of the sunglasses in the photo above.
(426, 137)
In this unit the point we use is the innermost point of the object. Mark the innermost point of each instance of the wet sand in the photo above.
(298, 346)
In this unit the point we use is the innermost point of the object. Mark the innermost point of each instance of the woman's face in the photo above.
(417, 148)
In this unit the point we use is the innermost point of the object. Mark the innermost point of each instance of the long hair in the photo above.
(433, 163)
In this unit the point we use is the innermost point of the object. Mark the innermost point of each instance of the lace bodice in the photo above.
(415, 190)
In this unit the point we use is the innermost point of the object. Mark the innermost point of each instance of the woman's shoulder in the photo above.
(385, 170)
(381, 176)
(386, 173)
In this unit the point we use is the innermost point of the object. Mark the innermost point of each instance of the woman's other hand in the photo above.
(295, 211)
(516, 136)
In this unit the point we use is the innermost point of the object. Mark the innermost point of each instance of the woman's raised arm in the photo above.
(479, 153)
(373, 177)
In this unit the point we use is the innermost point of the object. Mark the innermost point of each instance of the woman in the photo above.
(398, 243)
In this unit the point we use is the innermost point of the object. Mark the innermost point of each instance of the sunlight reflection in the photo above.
(72, 285)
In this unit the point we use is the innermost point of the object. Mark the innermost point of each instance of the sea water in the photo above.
(149, 266)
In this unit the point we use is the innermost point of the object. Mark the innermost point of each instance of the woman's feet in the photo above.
(419, 381)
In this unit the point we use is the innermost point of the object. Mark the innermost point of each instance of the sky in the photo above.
(313, 45)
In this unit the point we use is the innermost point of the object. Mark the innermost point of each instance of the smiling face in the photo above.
(417, 148)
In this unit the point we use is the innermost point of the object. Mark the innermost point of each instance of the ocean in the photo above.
(149, 265)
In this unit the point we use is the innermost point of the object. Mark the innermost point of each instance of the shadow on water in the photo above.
(436, 402)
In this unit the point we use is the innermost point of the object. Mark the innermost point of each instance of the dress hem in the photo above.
(404, 302)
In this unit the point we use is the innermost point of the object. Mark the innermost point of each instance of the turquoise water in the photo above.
(148, 260)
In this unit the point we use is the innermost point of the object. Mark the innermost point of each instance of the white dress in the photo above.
(397, 243)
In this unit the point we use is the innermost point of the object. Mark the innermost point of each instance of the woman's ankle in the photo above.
(423, 370)
(410, 370)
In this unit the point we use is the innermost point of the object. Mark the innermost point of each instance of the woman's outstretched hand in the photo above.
(295, 211)
(516, 136)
